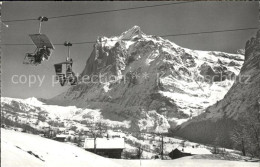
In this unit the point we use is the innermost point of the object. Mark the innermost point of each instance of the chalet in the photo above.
(33, 121)
(71, 132)
(176, 153)
(187, 151)
(61, 129)
(107, 147)
(61, 137)
(44, 126)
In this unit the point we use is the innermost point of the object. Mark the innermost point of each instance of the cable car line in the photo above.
(98, 12)
(208, 32)
(19, 20)
(169, 35)
(116, 10)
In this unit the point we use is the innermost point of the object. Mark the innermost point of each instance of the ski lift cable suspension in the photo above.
(68, 44)
(169, 35)
(41, 19)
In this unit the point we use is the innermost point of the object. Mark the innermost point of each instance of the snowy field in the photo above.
(27, 150)
(16, 145)
(185, 162)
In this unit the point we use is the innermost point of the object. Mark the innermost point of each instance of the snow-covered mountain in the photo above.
(244, 96)
(150, 81)
(28, 111)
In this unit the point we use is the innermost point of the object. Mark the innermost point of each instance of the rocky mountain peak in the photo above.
(139, 77)
(135, 31)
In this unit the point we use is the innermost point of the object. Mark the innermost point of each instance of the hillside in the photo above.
(33, 116)
(243, 97)
(31, 150)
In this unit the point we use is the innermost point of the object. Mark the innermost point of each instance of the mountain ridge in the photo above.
(176, 88)
(244, 96)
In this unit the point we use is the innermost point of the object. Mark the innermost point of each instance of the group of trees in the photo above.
(246, 135)
(25, 127)
(55, 123)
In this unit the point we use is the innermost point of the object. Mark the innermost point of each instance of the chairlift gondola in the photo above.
(43, 46)
(63, 70)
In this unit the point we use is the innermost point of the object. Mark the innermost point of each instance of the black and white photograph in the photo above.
(130, 83)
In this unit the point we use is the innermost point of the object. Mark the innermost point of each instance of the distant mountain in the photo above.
(38, 115)
(150, 81)
(244, 96)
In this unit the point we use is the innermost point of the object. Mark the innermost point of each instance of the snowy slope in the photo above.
(21, 149)
(185, 162)
(15, 147)
(12, 156)
(145, 78)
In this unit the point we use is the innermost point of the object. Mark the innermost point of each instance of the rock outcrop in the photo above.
(244, 96)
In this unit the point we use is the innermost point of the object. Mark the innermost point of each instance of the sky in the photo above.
(171, 19)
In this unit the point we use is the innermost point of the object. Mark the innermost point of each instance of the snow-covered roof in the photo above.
(105, 143)
(194, 150)
(61, 136)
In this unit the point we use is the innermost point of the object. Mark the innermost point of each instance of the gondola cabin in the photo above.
(43, 45)
(64, 73)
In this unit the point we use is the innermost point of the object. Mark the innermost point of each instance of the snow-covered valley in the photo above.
(156, 87)
(62, 119)
(31, 150)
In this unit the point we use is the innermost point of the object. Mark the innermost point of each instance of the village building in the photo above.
(62, 129)
(61, 137)
(187, 151)
(71, 132)
(106, 147)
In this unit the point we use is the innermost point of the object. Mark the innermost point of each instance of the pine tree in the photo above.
(239, 138)
(246, 136)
